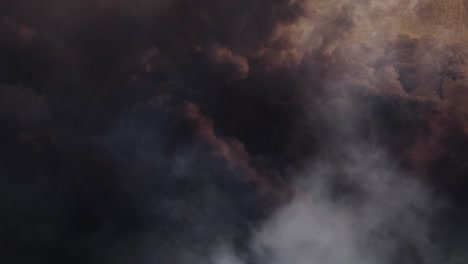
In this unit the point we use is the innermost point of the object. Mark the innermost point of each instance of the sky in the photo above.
(234, 131)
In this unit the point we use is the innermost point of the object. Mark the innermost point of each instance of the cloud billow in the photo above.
(285, 131)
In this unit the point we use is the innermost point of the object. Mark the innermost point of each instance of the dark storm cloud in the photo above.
(95, 169)
(154, 131)
(23, 106)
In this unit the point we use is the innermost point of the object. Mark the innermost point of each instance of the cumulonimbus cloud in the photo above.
(157, 130)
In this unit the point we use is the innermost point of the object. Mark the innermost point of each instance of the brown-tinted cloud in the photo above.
(153, 122)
